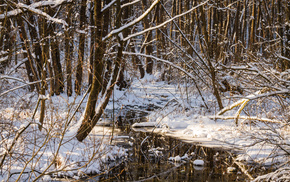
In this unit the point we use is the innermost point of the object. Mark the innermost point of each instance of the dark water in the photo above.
(149, 155)
(148, 161)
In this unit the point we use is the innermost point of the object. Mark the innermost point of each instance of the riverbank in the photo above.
(173, 109)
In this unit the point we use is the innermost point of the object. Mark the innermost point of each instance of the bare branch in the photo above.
(116, 31)
(15, 12)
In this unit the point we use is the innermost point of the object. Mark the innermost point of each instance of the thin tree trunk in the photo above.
(79, 72)
(68, 51)
(253, 28)
(149, 47)
(173, 12)
(108, 63)
(92, 48)
(287, 42)
(31, 71)
(57, 67)
(33, 30)
(237, 34)
(139, 64)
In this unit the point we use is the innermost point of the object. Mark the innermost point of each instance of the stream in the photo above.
(152, 157)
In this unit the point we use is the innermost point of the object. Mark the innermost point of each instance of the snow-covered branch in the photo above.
(12, 78)
(108, 5)
(33, 7)
(41, 13)
(283, 57)
(21, 86)
(130, 3)
(253, 118)
(253, 97)
(117, 31)
(164, 23)
(161, 60)
(173, 65)
(243, 102)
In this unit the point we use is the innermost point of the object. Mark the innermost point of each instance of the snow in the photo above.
(63, 148)
(120, 35)
(231, 169)
(108, 5)
(176, 117)
(135, 21)
(3, 59)
(194, 125)
(146, 124)
(43, 97)
(33, 7)
(164, 23)
(39, 12)
(198, 162)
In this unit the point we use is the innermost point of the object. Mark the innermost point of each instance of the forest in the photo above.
(63, 62)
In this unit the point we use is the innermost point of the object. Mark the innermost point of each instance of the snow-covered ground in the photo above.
(54, 150)
(181, 114)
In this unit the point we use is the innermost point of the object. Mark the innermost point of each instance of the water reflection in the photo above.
(149, 155)
(148, 161)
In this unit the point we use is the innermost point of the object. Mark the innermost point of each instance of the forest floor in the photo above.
(181, 113)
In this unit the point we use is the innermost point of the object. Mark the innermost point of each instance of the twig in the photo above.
(241, 166)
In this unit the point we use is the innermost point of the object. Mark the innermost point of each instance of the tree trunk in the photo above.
(33, 30)
(55, 55)
(90, 117)
(287, 41)
(92, 48)
(79, 72)
(149, 47)
(88, 120)
(31, 71)
(68, 51)
(253, 28)
(237, 34)
(108, 63)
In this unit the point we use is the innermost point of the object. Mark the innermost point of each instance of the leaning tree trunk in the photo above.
(91, 117)
(87, 122)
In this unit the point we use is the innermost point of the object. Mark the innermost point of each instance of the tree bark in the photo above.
(31, 71)
(57, 66)
(108, 63)
(88, 121)
(91, 117)
(68, 52)
(79, 72)
(149, 47)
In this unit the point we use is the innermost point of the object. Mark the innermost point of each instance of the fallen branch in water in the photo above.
(242, 167)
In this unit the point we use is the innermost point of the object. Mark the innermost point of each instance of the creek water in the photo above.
(149, 157)
(154, 157)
